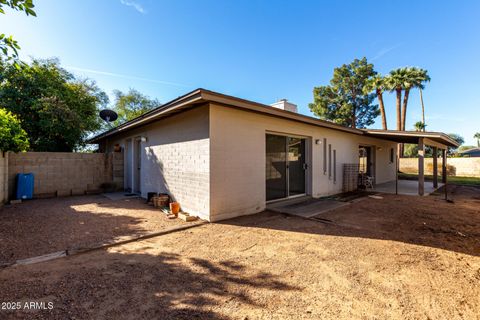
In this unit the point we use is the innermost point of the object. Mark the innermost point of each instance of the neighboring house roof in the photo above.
(471, 152)
(200, 96)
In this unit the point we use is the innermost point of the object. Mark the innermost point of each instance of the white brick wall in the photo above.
(182, 170)
(175, 159)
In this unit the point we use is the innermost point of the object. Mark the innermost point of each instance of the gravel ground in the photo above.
(398, 257)
(43, 226)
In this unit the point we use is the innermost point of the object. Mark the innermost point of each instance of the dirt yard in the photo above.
(399, 257)
(39, 227)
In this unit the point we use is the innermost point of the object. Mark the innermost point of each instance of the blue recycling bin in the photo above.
(24, 186)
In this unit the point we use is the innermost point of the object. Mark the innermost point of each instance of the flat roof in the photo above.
(412, 136)
(200, 96)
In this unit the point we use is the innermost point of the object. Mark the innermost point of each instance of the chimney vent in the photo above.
(285, 105)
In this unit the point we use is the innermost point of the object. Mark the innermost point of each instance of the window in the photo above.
(392, 155)
(329, 161)
(334, 166)
(324, 155)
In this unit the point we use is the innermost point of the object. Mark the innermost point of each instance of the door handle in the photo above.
(305, 166)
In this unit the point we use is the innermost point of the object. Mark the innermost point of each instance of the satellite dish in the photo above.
(108, 115)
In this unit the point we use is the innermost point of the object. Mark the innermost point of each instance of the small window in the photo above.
(334, 166)
(392, 155)
(324, 155)
(329, 161)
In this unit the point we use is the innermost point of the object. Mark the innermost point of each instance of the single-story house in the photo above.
(220, 156)
(473, 152)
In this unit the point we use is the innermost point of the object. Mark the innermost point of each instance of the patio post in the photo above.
(444, 165)
(397, 160)
(444, 173)
(435, 168)
(421, 173)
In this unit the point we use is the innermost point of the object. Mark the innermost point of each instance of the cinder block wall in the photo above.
(63, 174)
(461, 167)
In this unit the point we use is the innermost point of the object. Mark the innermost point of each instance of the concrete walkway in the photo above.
(305, 207)
(405, 187)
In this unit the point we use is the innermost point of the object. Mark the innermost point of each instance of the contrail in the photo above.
(124, 76)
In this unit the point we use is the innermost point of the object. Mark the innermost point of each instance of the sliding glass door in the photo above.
(285, 166)
(296, 166)
(276, 169)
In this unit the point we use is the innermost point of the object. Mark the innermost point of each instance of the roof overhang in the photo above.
(435, 139)
(199, 97)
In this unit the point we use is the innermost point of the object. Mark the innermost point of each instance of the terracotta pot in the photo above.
(174, 207)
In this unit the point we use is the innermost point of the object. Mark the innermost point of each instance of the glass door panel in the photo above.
(276, 167)
(296, 166)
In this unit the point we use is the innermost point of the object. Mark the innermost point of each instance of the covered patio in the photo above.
(406, 187)
(439, 142)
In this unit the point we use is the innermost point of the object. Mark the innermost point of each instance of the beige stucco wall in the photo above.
(462, 167)
(175, 158)
(237, 159)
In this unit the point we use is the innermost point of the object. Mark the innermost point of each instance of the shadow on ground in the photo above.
(135, 286)
(428, 221)
(43, 226)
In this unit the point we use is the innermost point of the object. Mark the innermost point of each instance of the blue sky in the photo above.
(264, 50)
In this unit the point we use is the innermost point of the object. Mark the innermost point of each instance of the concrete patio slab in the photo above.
(305, 207)
(120, 195)
(405, 187)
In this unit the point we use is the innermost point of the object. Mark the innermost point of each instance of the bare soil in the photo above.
(43, 226)
(400, 257)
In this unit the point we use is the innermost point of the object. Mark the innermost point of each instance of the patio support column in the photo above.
(421, 173)
(444, 172)
(444, 165)
(435, 168)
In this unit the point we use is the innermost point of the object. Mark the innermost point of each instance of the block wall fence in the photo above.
(461, 167)
(61, 173)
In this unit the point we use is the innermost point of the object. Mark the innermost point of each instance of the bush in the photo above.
(12, 136)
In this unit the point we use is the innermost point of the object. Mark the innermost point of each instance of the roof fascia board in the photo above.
(173, 105)
(437, 135)
(261, 108)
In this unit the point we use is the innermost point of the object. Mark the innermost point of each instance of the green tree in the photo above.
(477, 136)
(57, 110)
(419, 126)
(377, 85)
(459, 139)
(415, 78)
(395, 82)
(344, 101)
(132, 104)
(12, 136)
(8, 46)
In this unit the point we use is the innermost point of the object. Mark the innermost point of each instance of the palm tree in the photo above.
(423, 107)
(414, 78)
(396, 81)
(477, 136)
(377, 84)
(419, 126)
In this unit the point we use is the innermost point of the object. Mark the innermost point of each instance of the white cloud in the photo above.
(137, 6)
